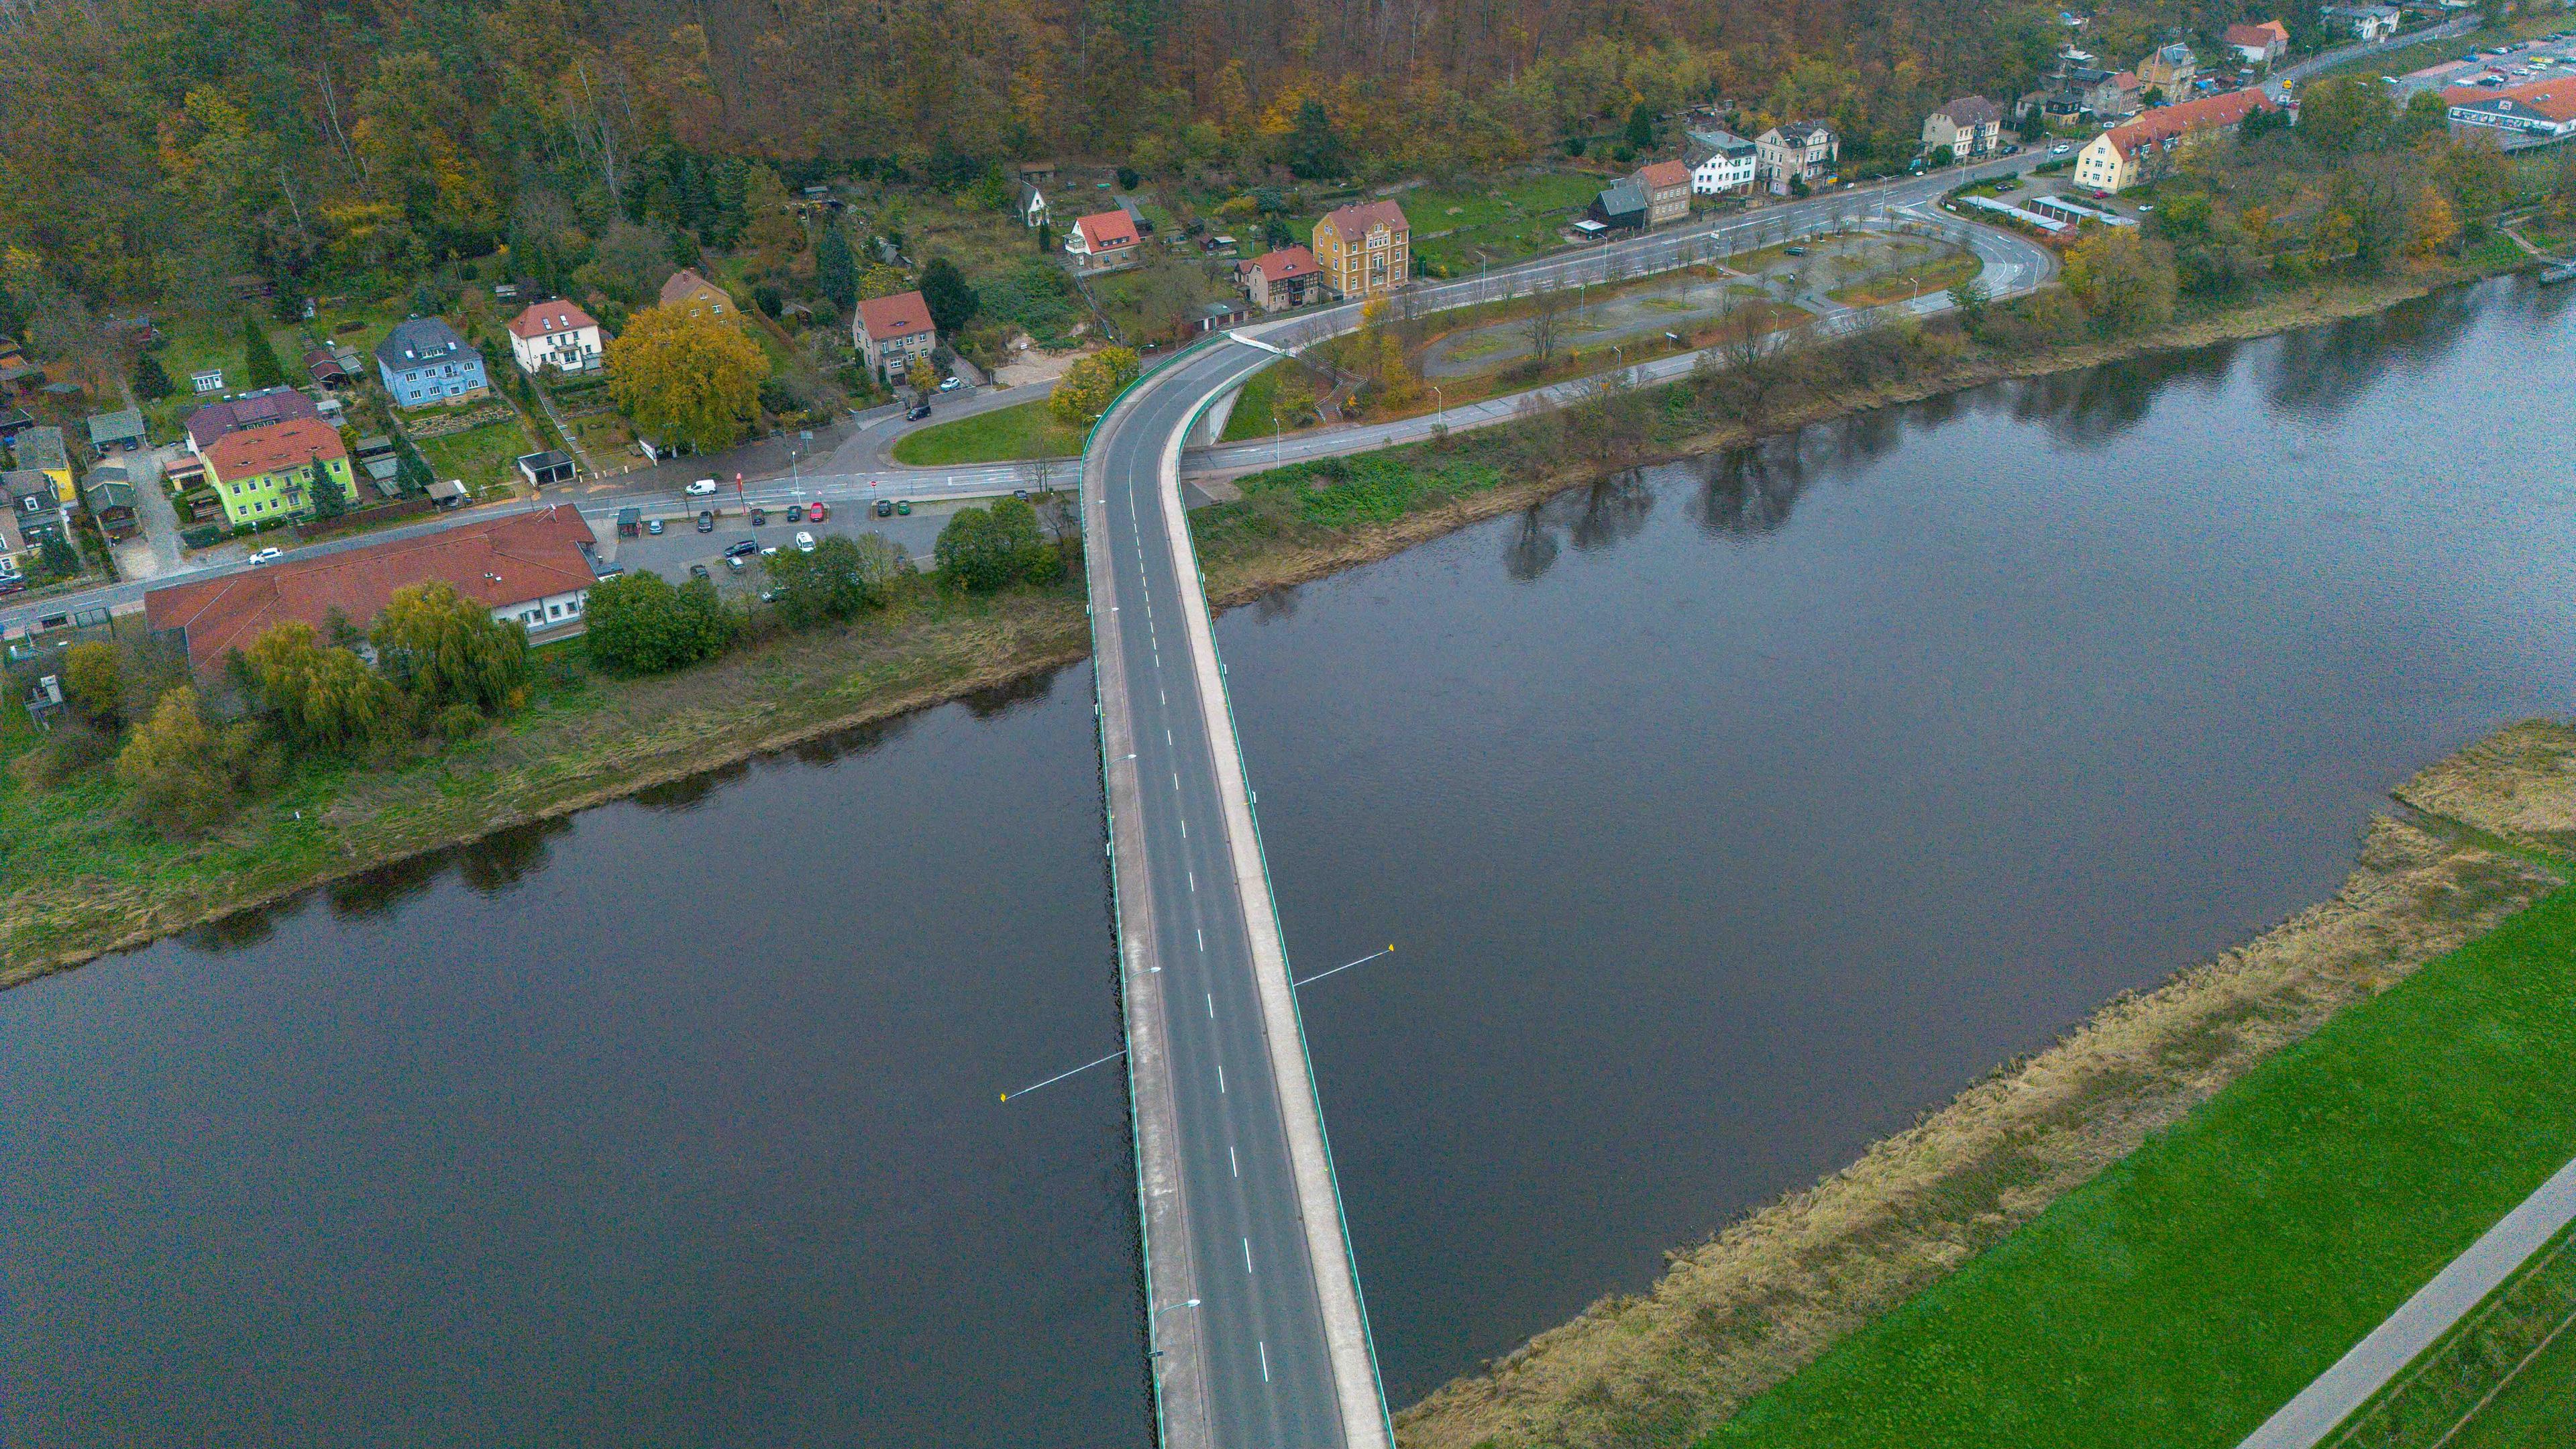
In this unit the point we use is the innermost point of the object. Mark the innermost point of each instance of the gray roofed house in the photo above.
(424, 362)
(250, 410)
(1622, 203)
(121, 429)
(33, 504)
(109, 494)
(42, 449)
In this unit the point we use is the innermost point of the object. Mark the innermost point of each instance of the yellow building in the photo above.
(1365, 250)
(41, 450)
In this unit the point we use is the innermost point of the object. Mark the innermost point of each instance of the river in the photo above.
(1723, 817)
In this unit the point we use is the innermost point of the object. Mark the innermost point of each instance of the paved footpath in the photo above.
(2386, 1350)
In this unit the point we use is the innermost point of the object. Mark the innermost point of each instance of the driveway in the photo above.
(154, 551)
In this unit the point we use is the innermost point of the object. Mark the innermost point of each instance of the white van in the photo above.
(703, 488)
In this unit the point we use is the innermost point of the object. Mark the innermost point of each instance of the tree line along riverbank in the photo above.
(86, 874)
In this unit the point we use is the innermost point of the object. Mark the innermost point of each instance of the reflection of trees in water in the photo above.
(1010, 694)
(374, 892)
(678, 797)
(503, 859)
(1744, 492)
(1612, 510)
(2093, 406)
(1532, 550)
(243, 929)
(856, 740)
(1277, 606)
(2321, 372)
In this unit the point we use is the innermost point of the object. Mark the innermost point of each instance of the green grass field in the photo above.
(481, 456)
(1027, 430)
(2537, 1407)
(2190, 1290)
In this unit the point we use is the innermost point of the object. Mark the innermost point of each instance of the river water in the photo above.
(1723, 817)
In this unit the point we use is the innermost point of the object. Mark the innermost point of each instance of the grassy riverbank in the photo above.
(81, 878)
(2207, 1252)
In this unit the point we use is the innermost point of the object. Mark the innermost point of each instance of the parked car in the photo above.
(951, 384)
(759, 517)
(735, 563)
(266, 556)
(816, 512)
(796, 513)
(903, 506)
(2060, 149)
(706, 521)
(654, 527)
(1794, 251)
(1021, 494)
(743, 549)
(804, 541)
(697, 571)
(919, 411)
(703, 488)
(885, 508)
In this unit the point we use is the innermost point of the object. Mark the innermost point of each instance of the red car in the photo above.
(816, 512)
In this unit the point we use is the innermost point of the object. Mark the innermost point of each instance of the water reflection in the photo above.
(1000, 699)
(243, 929)
(2324, 371)
(1611, 511)
(1531, 549)
(678, 797)
(1747, 492)
(849, 743)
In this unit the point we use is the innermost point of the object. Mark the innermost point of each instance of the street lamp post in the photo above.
(1442, 404)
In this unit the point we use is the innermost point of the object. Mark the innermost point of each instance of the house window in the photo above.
(554, 611)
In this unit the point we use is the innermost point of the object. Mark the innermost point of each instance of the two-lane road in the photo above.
(1240, 1209)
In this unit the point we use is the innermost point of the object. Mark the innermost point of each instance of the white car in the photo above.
(703, 488)
(804, 541)
(266, 556)
(2060, 149)
(951, 384)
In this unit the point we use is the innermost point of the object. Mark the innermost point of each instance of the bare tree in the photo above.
(1545, 325)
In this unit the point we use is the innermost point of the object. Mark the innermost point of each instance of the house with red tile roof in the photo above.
(1102, 239)
(558, 335)
(532, 569)
(1667, 185)
(2513, 117)
(265, 474)
(2126, 155)
(891, 331)
(1366, 249)
(1275, 281)
(2259, 44)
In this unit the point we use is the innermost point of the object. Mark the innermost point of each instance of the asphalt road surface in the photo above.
(1261, 1243)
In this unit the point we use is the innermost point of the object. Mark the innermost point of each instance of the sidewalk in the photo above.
(2421, 1320)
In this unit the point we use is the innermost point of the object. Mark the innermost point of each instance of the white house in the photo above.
(557, 335)
(1970, 126)
(1798, 151)
(2365, 22)
(1721, 162)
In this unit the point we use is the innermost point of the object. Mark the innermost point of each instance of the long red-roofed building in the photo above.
(532, 569)
(2125, 155)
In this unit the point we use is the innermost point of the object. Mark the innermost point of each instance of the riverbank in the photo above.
(2163, 1259)
(82, 882)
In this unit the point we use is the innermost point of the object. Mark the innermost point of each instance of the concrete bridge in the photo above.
(1259, 1333)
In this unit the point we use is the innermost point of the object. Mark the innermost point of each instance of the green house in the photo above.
(264, 475)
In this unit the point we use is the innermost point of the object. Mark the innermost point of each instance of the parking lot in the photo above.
(681, 545)
(2519, 65)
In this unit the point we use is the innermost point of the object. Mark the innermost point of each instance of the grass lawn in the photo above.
(1915, 281)
(2499, 1379)
(2187, 1292)
(1504, 223)
(481, 456)
(2538, 1407)
(1026, 430)
(1279, 398)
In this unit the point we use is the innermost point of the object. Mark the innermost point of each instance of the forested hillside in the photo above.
(151, 148)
